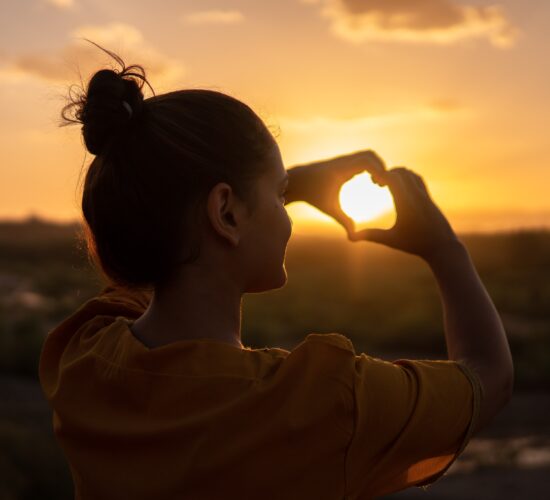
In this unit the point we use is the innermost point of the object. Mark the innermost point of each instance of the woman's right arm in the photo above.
(474, 332)
(473, 329)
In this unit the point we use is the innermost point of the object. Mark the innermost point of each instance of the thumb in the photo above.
(348, 224)
(383, 236)
(343, 219)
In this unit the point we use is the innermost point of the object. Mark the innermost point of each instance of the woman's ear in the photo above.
(224, 210)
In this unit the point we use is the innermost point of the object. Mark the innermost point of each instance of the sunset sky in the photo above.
(458, 91)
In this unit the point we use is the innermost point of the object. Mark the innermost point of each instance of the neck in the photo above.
(200, 304)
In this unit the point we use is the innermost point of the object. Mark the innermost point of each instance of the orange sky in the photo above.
(458, 91)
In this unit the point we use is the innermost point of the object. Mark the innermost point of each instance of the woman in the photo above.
(155, 396)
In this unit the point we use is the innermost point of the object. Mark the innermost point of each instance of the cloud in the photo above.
(80, 57)
(61, 4)
(431, 111)
(426, 21)
(214, 17)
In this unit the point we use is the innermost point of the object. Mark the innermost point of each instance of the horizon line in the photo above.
(315, 229)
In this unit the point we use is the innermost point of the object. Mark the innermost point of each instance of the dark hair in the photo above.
(156, 161)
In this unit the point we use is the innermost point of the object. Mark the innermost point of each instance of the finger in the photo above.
(383, 236)
(421, 183)
(407, 184)
(371, 162)
(377, 180)
(395, 179)
(356, 163)
(344, 220)
(416, 184)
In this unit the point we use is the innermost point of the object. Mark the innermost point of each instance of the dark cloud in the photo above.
(413, 14)
(436, 21)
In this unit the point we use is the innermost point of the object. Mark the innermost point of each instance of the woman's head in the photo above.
(173, 173)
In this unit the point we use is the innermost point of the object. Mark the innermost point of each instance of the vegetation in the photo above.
(385, 301)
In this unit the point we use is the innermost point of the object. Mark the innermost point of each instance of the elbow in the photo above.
(500, 378)
(503, 389)
(497, 386)
(507, 385)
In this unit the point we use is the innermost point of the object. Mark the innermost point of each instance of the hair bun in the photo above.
(109, 106)
(103, 113)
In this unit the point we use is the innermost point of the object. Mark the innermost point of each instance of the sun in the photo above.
(363, 201)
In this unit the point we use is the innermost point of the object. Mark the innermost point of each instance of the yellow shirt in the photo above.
(203, 419)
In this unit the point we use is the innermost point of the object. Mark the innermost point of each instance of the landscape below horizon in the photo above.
(385, 301)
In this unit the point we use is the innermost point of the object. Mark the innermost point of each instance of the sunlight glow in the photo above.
(363, 200)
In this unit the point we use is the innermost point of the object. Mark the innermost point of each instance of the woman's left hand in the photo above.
(319, 183)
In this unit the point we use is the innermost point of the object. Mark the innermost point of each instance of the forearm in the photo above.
(473, 329)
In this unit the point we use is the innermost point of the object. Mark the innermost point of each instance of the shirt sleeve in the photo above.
(412, 418)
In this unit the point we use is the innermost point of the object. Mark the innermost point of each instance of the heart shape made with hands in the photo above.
(365, 202)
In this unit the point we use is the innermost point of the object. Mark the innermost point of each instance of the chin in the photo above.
(283, 279)
(271, 283)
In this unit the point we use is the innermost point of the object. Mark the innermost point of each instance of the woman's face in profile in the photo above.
(270, 228)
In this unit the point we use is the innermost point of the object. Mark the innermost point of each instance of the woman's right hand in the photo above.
(420, 227)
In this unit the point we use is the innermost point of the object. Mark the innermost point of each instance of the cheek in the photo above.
(286, 217)
(288, 223)
(274, 234)
(275, 228)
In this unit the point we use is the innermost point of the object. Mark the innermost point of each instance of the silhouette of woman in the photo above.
(154, 395)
